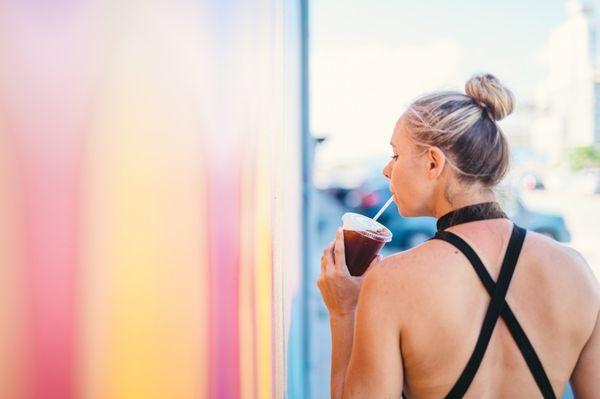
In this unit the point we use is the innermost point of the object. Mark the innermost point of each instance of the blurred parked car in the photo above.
(339, 193)
(548, 224)
(409, 232)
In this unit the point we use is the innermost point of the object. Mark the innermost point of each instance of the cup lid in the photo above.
(366, 226)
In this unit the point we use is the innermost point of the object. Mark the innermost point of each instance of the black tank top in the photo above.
(498, 307)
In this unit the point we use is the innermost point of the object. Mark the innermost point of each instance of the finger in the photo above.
(328, 248)
(328, 261)
(340, 252)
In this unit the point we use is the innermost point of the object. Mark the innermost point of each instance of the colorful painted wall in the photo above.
(150, 207)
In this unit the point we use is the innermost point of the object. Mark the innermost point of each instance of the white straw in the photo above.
(384, 208)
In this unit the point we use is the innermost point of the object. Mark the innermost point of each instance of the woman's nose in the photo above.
(385, 170)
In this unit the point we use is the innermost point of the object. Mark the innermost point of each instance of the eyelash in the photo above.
(394, 157)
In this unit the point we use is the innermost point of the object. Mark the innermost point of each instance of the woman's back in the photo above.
(442, 304)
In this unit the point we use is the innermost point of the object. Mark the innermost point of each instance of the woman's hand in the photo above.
(338, 288)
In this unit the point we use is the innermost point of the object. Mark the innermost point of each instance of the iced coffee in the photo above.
(363, 239)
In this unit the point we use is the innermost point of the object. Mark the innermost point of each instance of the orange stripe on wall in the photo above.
(247, 307)
(146, 313)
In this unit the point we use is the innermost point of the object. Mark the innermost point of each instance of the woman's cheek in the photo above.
(397, 178)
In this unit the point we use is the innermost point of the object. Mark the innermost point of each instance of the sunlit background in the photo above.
(369, 60)
(170, 171)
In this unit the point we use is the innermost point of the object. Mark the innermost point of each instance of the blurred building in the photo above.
(517, 128)
(568, 95)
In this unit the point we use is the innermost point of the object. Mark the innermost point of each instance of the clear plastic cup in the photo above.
(363, 239)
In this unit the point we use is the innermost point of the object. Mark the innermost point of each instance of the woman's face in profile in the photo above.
(406, 171)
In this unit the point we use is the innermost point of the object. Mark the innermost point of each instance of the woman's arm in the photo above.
(375, 369)
(342, 332)
(365, 358)
(340, 294)
(585, 380)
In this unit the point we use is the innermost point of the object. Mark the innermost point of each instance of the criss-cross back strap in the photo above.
(497, 307)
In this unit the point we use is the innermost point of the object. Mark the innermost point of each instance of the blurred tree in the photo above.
(585, 157)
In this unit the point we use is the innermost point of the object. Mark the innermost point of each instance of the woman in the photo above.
(484, 309)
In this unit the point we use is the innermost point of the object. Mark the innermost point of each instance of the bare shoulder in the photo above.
(561, 259)
(406, 271)
(557, 268)
(398, 283)
(542, 244)
(415, 261)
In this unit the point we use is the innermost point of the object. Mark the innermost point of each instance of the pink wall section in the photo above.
(149, 216)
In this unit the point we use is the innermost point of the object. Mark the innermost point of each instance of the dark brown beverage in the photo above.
(360, 250)
(363, 238)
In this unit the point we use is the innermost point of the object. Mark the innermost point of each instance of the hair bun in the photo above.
(486, 90)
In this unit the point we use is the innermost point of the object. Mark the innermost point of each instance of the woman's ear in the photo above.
(435, 162)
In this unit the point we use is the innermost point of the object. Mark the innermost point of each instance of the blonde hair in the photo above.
(464, 127)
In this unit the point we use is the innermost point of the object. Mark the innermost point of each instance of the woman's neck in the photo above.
(445, 205)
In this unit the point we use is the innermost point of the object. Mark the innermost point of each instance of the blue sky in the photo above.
(370, 58)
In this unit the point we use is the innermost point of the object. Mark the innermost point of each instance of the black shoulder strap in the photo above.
(498, 306)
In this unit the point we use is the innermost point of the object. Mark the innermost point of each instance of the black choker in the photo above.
(471, 213)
